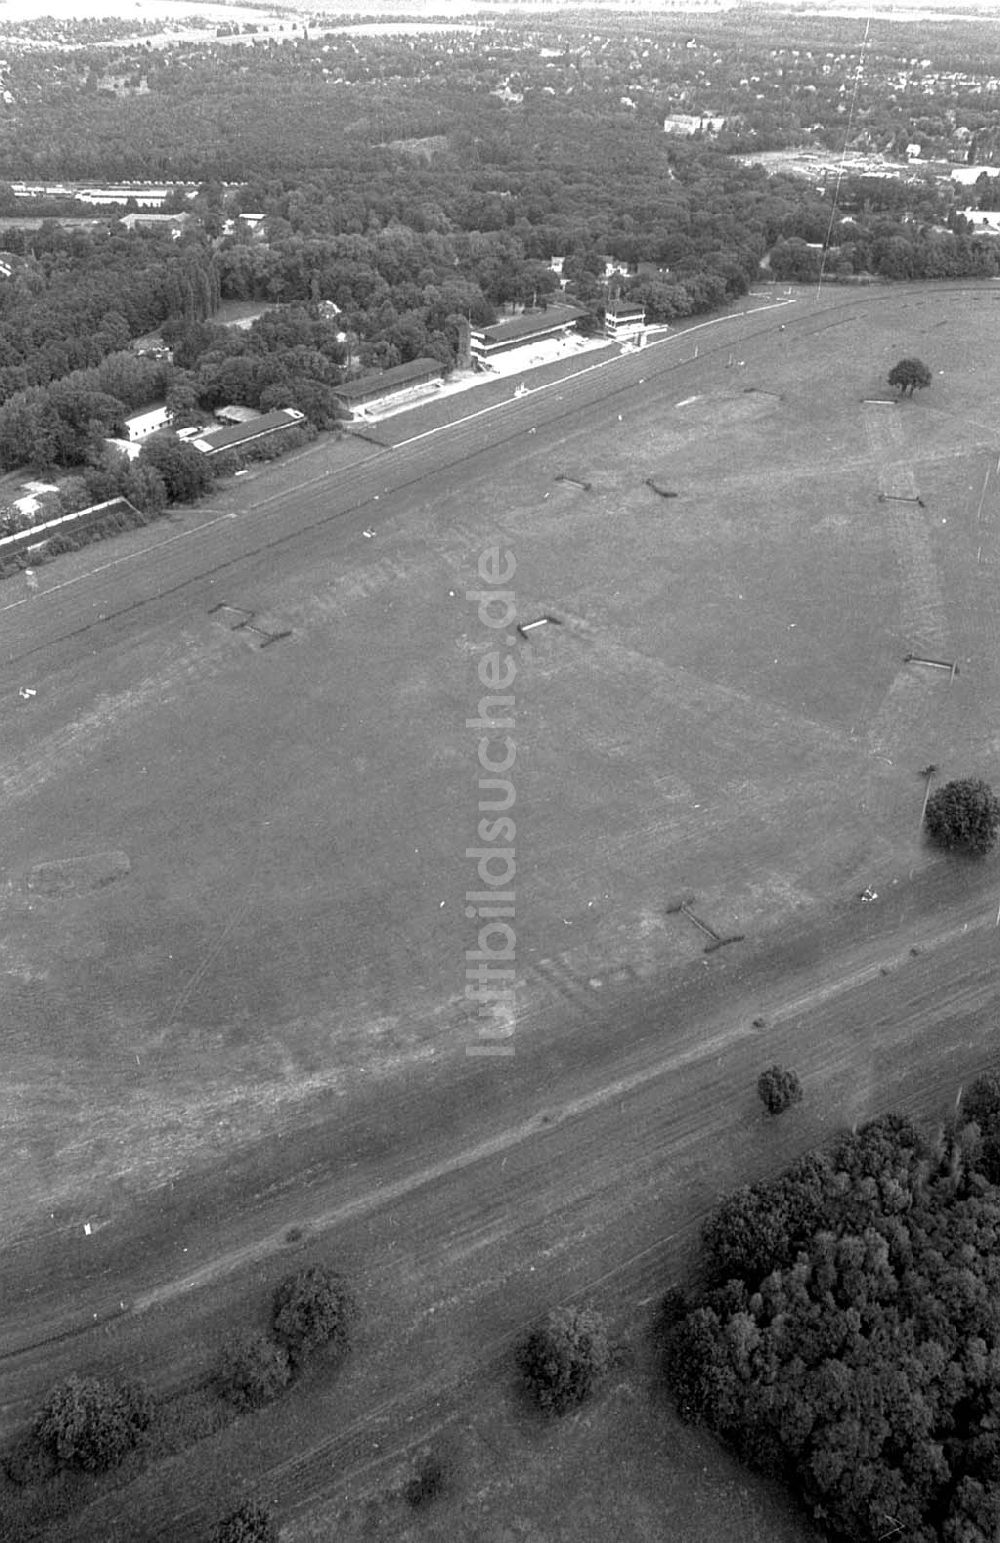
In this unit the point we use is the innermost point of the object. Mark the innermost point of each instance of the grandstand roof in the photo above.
(369, 387)
(530, 324)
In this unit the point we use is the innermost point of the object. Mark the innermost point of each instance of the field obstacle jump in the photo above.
(574, 482)
(525, 628)
(901, 498)
(716, 940)
(657, 487)
(934, 664)
(245, 623)
(927, 773)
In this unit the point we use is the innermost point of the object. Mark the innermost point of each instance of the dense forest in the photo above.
(846, 1336)
(406, 187)
(75, 297)
(286, 105)
(287, 358)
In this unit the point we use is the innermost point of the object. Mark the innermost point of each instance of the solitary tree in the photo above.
(313, 1308)
(908, 374)
(964, 813)
(251, 1369)
(562, 1360)
(778, 1089)
(92, 1423)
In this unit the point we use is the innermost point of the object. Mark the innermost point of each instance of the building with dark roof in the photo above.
(400, 383)
(522, 331)
(244, 433)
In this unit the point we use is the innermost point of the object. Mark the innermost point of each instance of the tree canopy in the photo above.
(562, 1359)
(778, 1089)
(312, 1309)
(91, 1422)
(909, 375)
(251, 1370)
(965, 814)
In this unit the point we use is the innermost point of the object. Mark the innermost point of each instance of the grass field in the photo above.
(261, 963)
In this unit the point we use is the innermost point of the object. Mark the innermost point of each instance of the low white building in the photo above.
(138, 425)
(983, 220)
(154, 220)
(614, 267)
(690, 124)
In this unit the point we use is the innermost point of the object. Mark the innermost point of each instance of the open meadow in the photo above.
(234, 867)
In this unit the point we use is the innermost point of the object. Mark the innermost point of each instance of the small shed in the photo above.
(234, 413)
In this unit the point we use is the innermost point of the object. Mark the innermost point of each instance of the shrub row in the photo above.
(312, 1310)
(93, 1424)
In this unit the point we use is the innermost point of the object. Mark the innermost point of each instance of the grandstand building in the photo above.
(524, 333)
(390, 388)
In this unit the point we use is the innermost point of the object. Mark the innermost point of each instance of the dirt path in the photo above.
(861, 967)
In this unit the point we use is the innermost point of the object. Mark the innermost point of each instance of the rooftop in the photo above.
(389, 380)
(145, 412)
(530, 323)
(241, 433)
(234, 413)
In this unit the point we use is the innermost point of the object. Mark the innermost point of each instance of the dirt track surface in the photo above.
(462, 1197)
(599, 1195)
